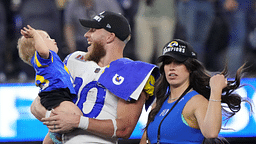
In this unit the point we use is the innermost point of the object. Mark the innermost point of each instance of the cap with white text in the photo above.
(110, 21)
(179, 50)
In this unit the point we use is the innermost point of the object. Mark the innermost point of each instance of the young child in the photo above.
(37, 49)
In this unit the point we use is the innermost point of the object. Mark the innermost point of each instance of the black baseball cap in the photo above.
(179, 50)
(110, 21)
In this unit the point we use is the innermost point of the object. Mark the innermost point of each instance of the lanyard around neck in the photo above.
(183, 94)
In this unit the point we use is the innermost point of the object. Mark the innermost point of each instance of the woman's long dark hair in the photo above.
(199, 80)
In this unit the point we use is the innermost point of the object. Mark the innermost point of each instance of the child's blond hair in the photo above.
(26, 48)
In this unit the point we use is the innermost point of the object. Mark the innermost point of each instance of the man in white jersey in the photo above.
(111, 89)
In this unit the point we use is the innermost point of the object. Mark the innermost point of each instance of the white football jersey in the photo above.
(93, 99)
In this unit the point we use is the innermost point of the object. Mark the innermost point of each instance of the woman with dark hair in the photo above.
(188, 105)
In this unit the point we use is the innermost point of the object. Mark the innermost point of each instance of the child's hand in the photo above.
(28, 32)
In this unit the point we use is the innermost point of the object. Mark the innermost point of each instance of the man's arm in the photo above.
(39, 112)
(37, 109)
(143, 139)
(127, 117)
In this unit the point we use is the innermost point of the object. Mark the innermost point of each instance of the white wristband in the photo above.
(47, 114)
(214, 100)
(84, 122)
(115, 127)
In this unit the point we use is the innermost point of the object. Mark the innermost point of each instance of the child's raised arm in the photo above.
(40, 45)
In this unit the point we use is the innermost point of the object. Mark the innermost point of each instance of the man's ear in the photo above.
(111, 37)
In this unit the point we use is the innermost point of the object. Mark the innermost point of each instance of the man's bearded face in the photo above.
(97, 52)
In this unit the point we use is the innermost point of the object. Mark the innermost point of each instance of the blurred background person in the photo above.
(87, 9)
(251, 40)
(130, 9)
(3, 27)
(236, 14)
(216, 41)
(196, 17)
(154, 25)
(42, 15)
(9, 55)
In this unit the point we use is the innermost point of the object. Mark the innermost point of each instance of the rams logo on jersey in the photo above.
(117, 79)
(81, 58)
